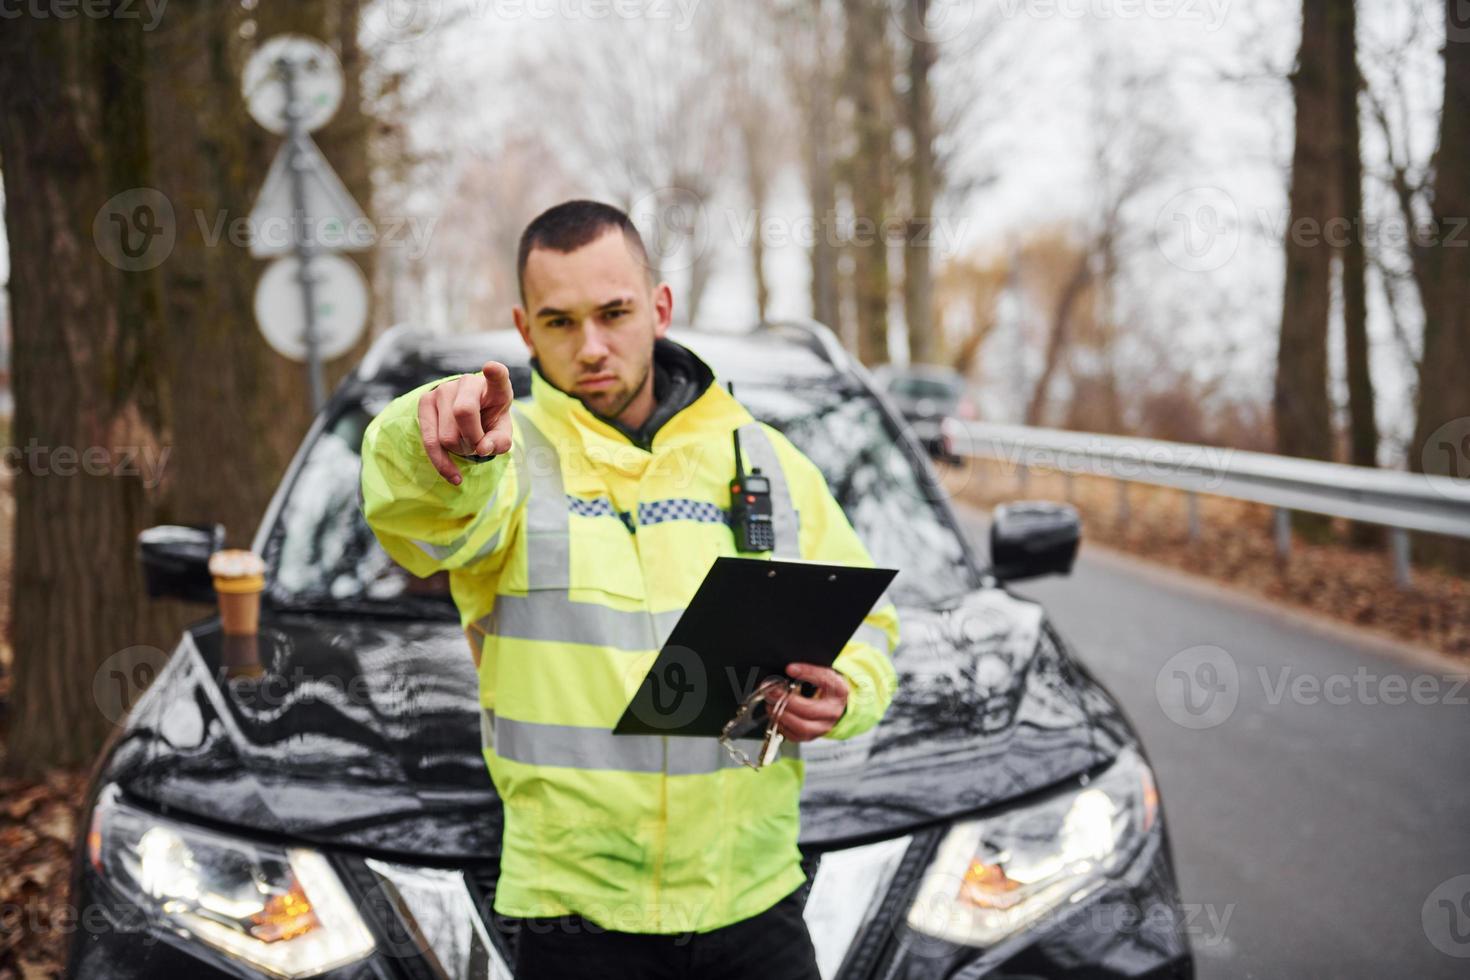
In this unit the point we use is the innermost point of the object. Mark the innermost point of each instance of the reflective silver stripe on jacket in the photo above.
(575, 747)
(553, 617)
(548, 545)
(487, 728)
(758, 451)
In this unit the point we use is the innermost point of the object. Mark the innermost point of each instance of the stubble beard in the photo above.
(627, 400)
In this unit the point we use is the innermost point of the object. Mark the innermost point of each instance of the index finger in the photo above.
(498, 392)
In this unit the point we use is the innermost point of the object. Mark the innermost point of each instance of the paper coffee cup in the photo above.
(239, 578)
(240, 656)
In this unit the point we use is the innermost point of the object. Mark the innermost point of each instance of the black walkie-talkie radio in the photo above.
(750, 505)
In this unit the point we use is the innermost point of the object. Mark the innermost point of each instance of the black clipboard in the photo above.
(750, 618)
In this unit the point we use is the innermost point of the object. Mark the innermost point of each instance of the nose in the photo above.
(594, 346)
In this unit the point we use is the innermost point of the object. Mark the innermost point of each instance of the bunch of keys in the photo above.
(744, 723)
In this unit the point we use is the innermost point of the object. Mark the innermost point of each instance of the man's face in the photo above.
(591, 317)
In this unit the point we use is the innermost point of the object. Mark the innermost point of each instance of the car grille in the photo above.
(439, 924)
(438, 919)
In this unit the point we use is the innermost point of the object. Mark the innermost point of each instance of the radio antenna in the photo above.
(735, 437)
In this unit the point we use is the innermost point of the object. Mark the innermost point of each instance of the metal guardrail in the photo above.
(1401, 501)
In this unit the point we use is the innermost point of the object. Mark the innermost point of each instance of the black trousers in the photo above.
(773, 945)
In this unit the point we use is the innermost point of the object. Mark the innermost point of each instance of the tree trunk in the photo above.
(925, 341)
(757, 185)
(810, 76)
(869, 85)
(85, 395)
(1059, 338)
(701, 263)
(350, 133)
(239, 408)
(146, 362)
(1442, 431)
(822, 184)
(1302, 412)
(1362, 426)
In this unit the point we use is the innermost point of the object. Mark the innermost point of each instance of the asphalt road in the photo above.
(1315, 779)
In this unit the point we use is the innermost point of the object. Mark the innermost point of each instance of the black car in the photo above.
(314, 801)
(928, 397)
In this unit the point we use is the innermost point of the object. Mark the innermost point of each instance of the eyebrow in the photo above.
(546, 311)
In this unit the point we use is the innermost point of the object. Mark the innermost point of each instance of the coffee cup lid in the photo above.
(236, 563)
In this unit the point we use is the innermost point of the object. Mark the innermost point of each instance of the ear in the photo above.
(663, 309)
(523, 326)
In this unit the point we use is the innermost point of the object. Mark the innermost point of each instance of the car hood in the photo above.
(365, 733)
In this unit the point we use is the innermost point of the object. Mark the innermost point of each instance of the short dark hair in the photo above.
(569, 226)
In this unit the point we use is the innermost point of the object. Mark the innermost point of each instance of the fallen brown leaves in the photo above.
(37, 833)
(1236, 546)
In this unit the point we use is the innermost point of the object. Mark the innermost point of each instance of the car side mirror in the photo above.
(1033, 538)
(175, 560)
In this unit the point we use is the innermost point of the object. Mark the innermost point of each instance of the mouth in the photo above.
(598, 382)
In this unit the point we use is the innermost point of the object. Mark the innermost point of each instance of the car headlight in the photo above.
(997, 875)
(280, 910)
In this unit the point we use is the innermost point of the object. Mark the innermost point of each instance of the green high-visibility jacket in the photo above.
(570, 559)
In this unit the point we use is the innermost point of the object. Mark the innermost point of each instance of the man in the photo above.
(575, 527)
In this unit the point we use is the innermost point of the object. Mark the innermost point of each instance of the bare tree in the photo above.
(1352, 267)
(1131, 150)
(76, 598)
(1302, 412)
(653, 131)
(808, 29)
(469, 272)
(755, 66)
(1064, 311)
(1442, 430)
(867, 82)
(968, 292)
(922, 172)
(957, 88)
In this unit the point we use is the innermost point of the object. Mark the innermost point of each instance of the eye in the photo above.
(616, 314)
(559, 321)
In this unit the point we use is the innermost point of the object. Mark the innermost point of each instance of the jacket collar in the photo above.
(713, 412)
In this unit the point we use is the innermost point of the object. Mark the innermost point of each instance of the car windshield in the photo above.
(322, 555)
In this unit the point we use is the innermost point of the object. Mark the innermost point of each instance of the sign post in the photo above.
(293, 85)
(304, 247)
